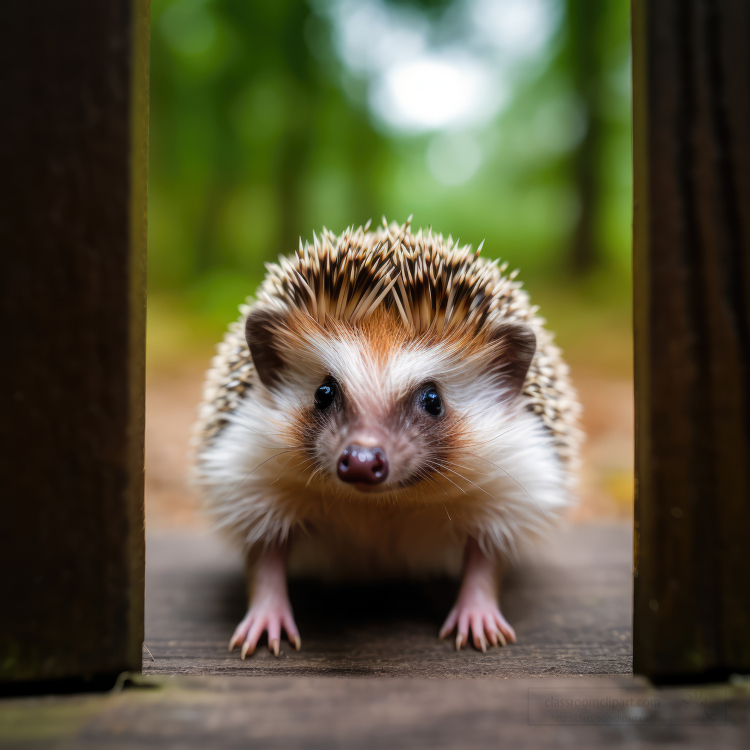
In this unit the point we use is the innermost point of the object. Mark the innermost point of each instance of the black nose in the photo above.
(365, 465)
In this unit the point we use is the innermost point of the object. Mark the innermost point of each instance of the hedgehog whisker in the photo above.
(304, 469)
(508, 474)
(470, 482)
(431, 481)
(264, 447)
(283, 468)
(452, 482)
(423, 475)
(447, 463)
(251, 471)
(475, 444)
(316, 470)
(276, 435)
(255, 432)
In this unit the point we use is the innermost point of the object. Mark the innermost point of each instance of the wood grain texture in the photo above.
(73, 129)
(692, 337)
(316, 712)
(570, 604)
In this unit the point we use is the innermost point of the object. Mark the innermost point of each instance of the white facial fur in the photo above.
(495, 476)
(378, 402)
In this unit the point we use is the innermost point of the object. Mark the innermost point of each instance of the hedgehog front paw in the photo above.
(479, 613)
(271, 614)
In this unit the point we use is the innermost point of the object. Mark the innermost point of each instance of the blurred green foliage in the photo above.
(260, 135)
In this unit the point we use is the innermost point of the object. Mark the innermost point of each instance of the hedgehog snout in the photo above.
(363, 465)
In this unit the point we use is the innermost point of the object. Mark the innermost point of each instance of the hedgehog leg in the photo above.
(477, 609)
(270, 610)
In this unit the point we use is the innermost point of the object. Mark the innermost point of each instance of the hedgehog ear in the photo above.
(515, 348)
(260, 328)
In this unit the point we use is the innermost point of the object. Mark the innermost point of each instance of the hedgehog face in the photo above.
(378, 409)
(373, 439)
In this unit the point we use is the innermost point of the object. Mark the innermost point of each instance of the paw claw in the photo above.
(480, 619)
(270, 615)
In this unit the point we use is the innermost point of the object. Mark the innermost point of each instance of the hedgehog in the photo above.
(389, 405)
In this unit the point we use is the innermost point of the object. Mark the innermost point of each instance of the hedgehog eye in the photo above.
(325, 394)
(432, 403)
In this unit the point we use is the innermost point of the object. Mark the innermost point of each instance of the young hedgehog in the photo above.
(389, 405)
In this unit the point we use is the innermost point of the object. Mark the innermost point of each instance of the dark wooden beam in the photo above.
(691, 86)
(73, 148)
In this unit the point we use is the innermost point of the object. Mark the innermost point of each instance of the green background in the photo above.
(261, 133)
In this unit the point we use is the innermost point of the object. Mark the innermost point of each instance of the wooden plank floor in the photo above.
(375, 714)
(570, 603)
(565, 684)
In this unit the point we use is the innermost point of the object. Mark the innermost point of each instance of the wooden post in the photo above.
(73, 142)
(691, 87)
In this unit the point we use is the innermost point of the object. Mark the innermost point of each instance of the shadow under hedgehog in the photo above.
(388, 406)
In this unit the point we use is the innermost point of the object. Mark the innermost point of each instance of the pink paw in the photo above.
(271, 614)
(481, 614)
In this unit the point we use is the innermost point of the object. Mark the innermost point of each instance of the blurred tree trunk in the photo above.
(584, 21)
